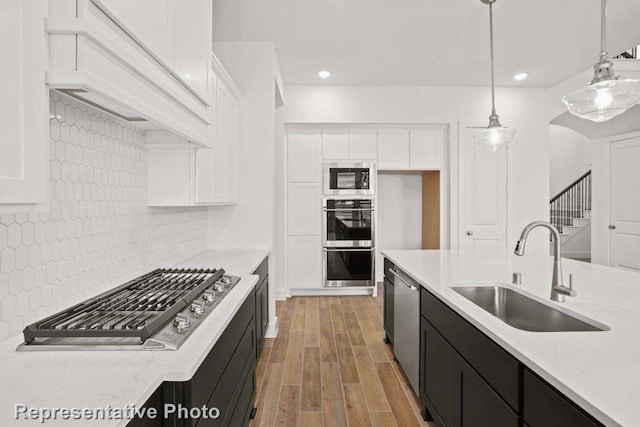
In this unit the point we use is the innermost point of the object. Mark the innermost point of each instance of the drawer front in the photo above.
(199, 389)
(498, 368)
(242, 412)
(388, 265)
(263, 270)
(544, 406)
(229, 389)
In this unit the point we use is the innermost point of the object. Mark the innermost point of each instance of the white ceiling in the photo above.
(428, 42)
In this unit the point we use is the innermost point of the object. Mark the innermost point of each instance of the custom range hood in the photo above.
(95, 58)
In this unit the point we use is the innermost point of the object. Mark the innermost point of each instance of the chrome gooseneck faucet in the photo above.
(558, 290)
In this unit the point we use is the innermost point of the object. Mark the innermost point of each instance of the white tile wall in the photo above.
(98, 232)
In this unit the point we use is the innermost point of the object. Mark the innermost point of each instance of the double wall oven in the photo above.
(348, 242)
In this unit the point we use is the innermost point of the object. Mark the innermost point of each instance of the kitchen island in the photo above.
(98, 379)
(597, 371)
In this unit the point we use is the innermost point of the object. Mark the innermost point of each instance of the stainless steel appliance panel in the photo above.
(348, 267)
(406, 320)
(348, 223)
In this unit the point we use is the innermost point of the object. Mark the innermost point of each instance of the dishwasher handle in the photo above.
(403, 281)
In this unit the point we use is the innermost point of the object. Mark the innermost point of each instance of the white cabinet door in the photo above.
(624, 238)
(335, 144)
(393, 149)
(484, 199)
(363, 144)
(425, 148)
(304, 263)
(150, 22)
(193, 44)
(24, 103)
(303, 208)
(233, 148)
(304, 163)
(216, 168)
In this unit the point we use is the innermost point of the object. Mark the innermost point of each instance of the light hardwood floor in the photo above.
(329, 367)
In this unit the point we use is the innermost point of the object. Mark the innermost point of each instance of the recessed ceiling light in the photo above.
(324, 74)
(520, 76)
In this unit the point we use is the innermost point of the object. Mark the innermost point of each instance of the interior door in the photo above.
(483, 207)
(624, 238)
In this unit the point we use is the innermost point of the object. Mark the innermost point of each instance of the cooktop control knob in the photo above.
(209, 296)
(181, 323)
(226, 280)
(219, 287)
(197, 308)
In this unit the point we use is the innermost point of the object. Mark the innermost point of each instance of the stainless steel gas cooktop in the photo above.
(157, 311)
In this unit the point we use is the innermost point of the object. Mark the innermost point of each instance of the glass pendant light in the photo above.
(495, 136)
(606, 96)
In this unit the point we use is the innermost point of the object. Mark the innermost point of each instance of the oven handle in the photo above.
(348, 210)
(397, 276)
(348, 249)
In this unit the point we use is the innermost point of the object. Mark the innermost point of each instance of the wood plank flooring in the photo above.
(329, 367)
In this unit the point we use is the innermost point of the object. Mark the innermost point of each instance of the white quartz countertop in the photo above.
(95, 379)
(599, 371)
(240, 262)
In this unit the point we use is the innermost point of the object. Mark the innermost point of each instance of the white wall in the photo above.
(523, 109)
(399, 214)
(570, 157)
(251, 222)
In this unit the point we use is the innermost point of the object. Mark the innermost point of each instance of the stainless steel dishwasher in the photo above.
(406, 329)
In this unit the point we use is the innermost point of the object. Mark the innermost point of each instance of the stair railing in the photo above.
(571, 202)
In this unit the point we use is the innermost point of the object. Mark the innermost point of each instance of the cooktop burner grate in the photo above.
(137, 309)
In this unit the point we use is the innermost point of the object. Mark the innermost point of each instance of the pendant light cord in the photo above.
(493, 95)
(603, 31)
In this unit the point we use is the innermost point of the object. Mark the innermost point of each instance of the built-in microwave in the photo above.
(349, 179)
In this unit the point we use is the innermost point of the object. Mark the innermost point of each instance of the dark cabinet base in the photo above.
(467, 379)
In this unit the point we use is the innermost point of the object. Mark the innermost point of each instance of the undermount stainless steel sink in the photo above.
(520, 311)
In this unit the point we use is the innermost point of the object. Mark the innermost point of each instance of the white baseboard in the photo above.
(281, 294)
(331, 292)
(272, 328)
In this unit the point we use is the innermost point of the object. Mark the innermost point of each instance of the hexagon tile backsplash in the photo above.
(98, 232)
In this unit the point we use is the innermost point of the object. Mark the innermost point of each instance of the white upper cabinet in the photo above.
(200, 176)
(393, 149)
(335, 144)
(192, 45)
(425, 148)
(177, 33)
(216, 176)
(353, 144)
(146, 61)
(304, 163)
(416, 148)
(24, 104)
(149, 22)
(363, 144)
